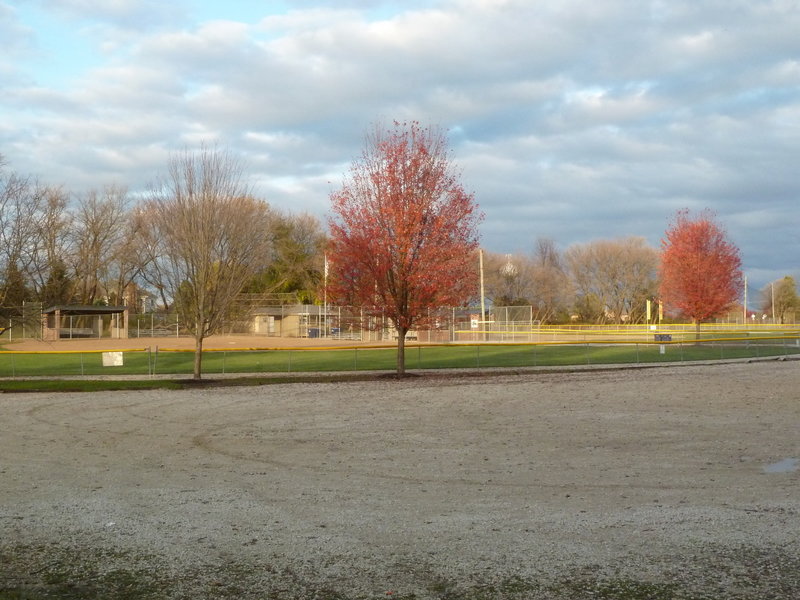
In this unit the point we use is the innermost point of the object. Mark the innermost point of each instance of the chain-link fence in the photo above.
(21, 322)
(163, 361)
(513, 324)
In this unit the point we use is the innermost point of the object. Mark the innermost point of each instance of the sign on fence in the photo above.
(112, 359)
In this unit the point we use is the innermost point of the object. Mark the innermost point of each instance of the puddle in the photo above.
(787, 465)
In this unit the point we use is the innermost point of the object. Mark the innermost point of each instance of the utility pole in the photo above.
(745, 301)
(483, 302)
(772, 287)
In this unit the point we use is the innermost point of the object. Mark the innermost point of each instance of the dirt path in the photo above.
(679, 480)
(183, 342)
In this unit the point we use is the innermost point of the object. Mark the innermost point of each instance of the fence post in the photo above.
(477, 356)
(289, 363)
(355, 359)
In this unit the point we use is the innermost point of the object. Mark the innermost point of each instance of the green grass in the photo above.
(456, 356)
(87, 385)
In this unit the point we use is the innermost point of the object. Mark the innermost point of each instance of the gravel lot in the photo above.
(672, 482)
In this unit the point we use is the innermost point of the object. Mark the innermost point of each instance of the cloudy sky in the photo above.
(569, 119)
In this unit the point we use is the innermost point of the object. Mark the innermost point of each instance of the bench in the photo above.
(76, 332)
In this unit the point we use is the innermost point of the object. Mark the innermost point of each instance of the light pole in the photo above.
(483, 301)
(772, 288)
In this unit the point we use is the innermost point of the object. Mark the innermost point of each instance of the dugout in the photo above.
(291, 320)
(82, 321)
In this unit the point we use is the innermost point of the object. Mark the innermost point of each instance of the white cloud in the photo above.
(569, 119)
(16, 36)
(123, 14)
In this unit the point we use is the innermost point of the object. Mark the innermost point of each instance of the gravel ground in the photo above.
(675, 482)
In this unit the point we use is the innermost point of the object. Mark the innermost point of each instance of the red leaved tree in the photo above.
(701, 273)
(403, 230)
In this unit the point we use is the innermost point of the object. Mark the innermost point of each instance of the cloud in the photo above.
(121, 14)
(569, 120)
(18, 43)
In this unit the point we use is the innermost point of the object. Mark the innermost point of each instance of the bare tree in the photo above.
(20, 201)
(99, 228)
(48, 271)
(538, 280)
(508, 279)
(147, 248)
(210, 238)
(549, 281)
(613, 278)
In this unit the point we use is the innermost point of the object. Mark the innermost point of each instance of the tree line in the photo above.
(105, 246)
(403, 235)
(603, 282)
(100, 246)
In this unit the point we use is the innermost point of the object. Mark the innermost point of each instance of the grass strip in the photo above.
(21, 365)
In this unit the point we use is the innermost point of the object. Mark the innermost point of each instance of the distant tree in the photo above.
(209, 237)
(20, 201)
(780, 298)
(403, 230)
(53, 248)
(537, 280)
(549, 282)
(100, 234)
(151, 266)
(613, 278)
(701, 275)
(507, 279)
(296, 264)
(14, 289)
(58, 288)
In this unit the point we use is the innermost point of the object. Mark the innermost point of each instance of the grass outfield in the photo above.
(59, 364)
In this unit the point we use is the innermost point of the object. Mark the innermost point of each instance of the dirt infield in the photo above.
(675, 482)
(179, 343)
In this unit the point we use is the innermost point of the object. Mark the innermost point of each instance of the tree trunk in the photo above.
(198, 356)
(401, 352)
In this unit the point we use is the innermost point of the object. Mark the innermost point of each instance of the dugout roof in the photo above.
(83, 309)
